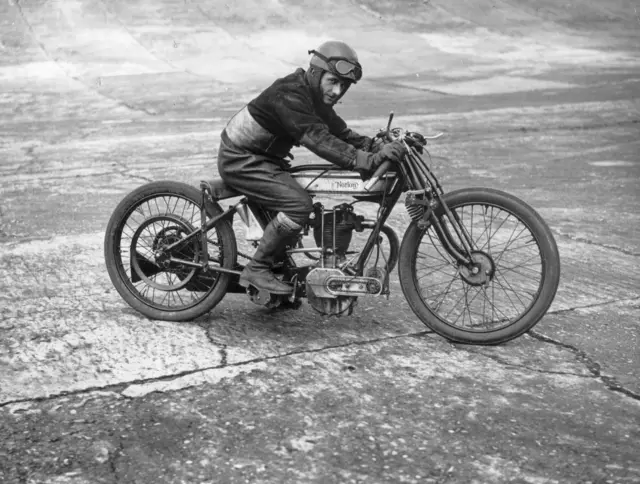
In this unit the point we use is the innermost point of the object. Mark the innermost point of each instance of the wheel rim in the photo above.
(510, 278)
(154, 223)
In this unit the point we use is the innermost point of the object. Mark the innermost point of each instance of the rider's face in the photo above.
(332, 88)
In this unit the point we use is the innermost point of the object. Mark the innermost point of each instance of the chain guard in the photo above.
(330, 291)
(332, 283)
(353, 286)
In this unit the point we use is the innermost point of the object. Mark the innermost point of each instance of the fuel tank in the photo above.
(341, 183)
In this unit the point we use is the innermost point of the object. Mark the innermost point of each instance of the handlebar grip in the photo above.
(369, 144)
(381, 170)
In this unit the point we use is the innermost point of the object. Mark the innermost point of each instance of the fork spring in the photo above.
(415, 210)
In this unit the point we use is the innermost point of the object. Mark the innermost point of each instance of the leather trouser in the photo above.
(264, 180)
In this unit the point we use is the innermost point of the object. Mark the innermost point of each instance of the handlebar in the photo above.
(433, 136)
(408, 138)
(381, 170)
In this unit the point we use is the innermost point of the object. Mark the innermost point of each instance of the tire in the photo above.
(161, 213)
(521, 301)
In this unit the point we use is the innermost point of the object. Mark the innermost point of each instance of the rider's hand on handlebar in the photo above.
(366, 163)
(393, 152)
(376, 145)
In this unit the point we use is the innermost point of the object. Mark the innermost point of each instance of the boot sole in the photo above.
(245, 283)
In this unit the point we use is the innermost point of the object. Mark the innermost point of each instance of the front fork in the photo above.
(458, 246)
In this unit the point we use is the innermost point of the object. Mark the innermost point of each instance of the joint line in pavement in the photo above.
(593, 366)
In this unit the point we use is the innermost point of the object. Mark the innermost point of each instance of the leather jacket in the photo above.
(290, 113)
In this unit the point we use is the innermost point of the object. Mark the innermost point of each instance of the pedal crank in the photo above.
(264, 298)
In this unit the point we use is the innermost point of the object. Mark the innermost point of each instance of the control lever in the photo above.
(384, 166)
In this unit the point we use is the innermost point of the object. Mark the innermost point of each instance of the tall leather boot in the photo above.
(258, 271)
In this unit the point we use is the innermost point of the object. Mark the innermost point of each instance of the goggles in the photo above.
(341, 66)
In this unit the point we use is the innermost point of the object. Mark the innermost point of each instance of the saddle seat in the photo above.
(218, 189)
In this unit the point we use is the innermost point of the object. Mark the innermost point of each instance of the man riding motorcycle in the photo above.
(295, 110)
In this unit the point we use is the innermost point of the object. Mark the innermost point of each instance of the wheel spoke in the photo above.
(506, 247)
(456, 303)
(468, 303)
(524, 267)
(494, 308)
(436, 269)
(506, 250)
(507, 288)
(157, 222)
(446, 291)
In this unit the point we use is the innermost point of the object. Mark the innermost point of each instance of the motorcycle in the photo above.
(476, 265)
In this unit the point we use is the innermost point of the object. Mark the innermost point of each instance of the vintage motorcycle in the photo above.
(476, 265)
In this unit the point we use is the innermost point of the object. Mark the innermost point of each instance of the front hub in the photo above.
(480, 271)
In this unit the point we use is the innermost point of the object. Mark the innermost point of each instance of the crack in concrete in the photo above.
(504, 362)
(118, 387)
(222, 347)
(113, 459)
(137, 177)
(592, 366)
(595, 305)
(124, 169)
(596, 244)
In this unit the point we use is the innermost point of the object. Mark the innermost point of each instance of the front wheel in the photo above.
(514, 279)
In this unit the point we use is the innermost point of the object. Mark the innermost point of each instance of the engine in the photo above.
(331, 290)
(333, 230)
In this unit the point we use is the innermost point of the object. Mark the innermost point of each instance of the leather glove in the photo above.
(393, 152)
(376, 145)
(366, 163)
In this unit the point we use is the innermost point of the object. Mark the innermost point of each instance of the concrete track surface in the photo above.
(540, 99)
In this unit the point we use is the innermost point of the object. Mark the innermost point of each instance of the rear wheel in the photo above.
(147, 277)
(512, 284)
